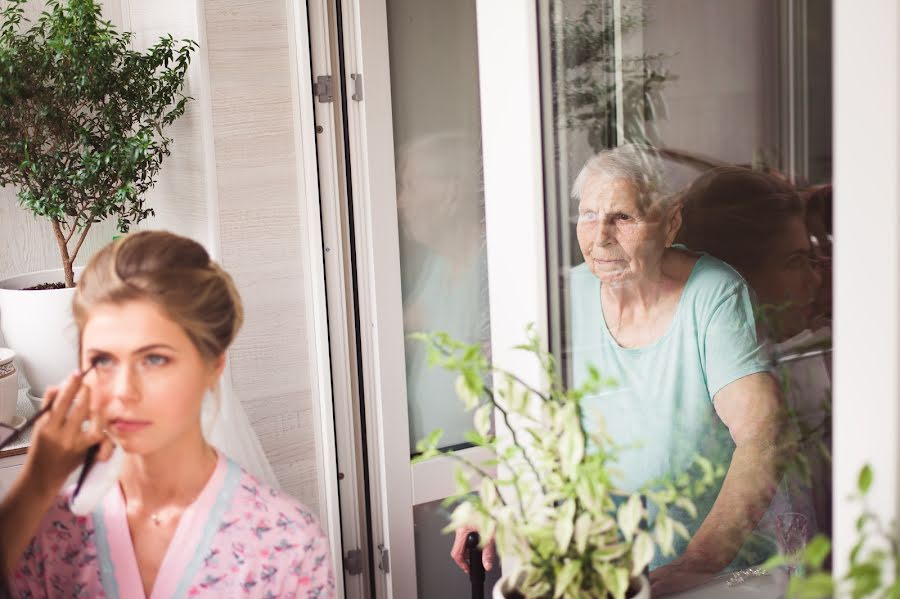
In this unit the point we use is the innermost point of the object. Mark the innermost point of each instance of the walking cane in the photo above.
(476, 568)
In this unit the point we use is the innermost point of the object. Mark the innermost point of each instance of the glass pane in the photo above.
(437, 575)
(688, 162)
(434, 93)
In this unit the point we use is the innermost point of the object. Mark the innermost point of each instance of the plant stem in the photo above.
(64, 252)
(515, 439)
(84, 232)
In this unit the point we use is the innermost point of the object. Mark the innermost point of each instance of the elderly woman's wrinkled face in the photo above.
(621, 243)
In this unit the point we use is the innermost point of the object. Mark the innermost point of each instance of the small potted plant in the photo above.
(82, 119)
(553, 506)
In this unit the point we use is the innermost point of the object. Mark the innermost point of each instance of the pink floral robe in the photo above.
(240, 538)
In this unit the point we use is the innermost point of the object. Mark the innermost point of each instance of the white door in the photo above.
(399, 148)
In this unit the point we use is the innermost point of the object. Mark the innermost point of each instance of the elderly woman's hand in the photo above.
(458, 552)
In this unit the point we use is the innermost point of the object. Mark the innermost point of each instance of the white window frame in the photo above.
(866, 56)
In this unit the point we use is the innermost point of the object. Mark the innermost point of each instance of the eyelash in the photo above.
(103, 361)
(162, 360)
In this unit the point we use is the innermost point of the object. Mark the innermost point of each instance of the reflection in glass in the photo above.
(704, 261)
(434, 92)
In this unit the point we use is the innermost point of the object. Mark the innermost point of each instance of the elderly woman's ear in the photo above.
(673, 222)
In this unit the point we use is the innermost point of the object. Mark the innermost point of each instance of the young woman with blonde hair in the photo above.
(155, 317)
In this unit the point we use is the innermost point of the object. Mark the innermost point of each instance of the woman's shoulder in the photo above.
(711, 278)
(287, 512)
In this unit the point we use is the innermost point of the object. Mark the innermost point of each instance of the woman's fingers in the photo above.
(79, 413)
(49, 396)
(488, 554)
(106, 449)
(458, 552)
(63, 401)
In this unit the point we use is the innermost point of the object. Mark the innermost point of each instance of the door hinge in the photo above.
(357, 87)
(353, 562)
(384, 559)
(323, 89)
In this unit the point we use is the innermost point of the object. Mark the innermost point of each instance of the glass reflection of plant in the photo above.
(874, 561)
(588, 83)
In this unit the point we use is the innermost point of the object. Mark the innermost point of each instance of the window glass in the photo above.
(688, 170)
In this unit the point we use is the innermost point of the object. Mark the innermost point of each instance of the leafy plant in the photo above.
(588, 82)
(554, 504)
(874, 560)
(82, 117)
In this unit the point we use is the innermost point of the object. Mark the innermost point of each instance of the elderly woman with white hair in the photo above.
(676, 330)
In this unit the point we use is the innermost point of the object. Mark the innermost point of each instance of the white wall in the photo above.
(230, 183)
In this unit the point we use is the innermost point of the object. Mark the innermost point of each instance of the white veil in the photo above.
(227, 428)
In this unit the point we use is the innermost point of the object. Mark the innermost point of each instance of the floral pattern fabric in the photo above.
(240, 538)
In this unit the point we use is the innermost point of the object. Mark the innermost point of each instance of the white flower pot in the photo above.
(505, 586)
(39, 327)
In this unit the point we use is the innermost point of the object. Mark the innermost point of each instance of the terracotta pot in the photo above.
(39, 327)
(505, 587)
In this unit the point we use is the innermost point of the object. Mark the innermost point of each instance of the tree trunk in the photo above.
(64, 253)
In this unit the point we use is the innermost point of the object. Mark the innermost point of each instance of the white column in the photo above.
(867, 279)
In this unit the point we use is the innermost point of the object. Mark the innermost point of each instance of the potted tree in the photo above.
(553, 506)
(82, 119)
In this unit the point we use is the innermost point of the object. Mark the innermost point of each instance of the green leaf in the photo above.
(462, 481)
(430, 442)
(817, 550)
(776, 561)
(566, 577)
(688, 506)
(665, 534)
(571, 449)
(893, 591)
(565, 526)
(865, 479)
(488, 493)
(815, 586)
(629, 516)
(482, 419)
(468, 396)
(582, 531)
(641, 553)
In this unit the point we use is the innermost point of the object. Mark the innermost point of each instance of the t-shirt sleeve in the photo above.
(731, 345)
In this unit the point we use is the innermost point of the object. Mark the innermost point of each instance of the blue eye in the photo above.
(587, 217)
(101, 361)
(156, 360)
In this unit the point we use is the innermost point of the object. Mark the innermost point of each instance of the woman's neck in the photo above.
(640, 298)
(636, 297)
(171, 477)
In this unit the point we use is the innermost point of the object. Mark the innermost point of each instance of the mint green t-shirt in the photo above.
(661, 410)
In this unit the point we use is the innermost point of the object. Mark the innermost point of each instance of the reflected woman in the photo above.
(155, 317)
(759, 224)
(444, 268)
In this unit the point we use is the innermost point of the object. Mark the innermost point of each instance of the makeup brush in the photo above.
(91, 456)
(34, 418)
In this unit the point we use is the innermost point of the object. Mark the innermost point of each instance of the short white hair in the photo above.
(638, 165)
